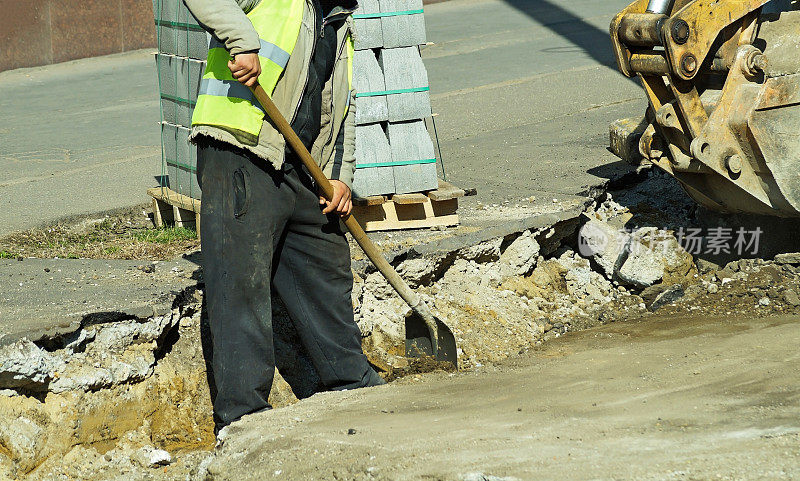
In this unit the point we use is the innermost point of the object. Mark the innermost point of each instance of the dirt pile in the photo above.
(626, 256)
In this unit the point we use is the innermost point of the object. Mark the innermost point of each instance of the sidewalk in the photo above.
(77, 137)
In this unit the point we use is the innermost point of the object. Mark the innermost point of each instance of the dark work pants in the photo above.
(262, 229)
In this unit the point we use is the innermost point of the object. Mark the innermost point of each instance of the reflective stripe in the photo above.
(228, 88)
(274, 53)
(268, 50)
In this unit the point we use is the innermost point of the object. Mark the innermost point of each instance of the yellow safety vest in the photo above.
(223, 101)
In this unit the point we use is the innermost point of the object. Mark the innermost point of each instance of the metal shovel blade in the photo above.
(419, 343)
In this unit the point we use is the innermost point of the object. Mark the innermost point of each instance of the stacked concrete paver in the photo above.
(392, 100)
(182, 49)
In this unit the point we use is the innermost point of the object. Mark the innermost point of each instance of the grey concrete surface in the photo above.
(77, 138)
(46, 297)
(682, 398)
(525, 90)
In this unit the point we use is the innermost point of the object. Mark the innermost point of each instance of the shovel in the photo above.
(425, 334)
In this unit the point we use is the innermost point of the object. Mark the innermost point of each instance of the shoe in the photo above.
(373, 379)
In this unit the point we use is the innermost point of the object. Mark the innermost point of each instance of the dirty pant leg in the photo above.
(239, 236)
(314, 281)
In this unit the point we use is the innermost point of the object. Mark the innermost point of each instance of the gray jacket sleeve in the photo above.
(227, 21)
(349, 144)
(343, 165)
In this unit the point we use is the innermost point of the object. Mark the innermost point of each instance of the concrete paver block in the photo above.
(167, 37)
(403, 69)
(178, 32)
(372, 147)
(169, 148)
(180, 159)
(194, 41)
(181, 102)
(186, 165)
(368, 30)
(410, 142)
(368, 77)
(167, 72)
(168, 67)
(196, 70)
(179, 81)
(402, 30)
(166, 11)
(189, 74)
(197, 45)
(624, 136)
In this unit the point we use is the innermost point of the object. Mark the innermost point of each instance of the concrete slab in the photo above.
(402, 30)
(372, 147)
(402, 70)
(368, 30)
(47, 297)
(368, 77)
(410, 142)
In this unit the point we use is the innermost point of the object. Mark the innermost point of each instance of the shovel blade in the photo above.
(419, 343)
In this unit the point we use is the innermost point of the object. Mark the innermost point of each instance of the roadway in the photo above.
(524, 91)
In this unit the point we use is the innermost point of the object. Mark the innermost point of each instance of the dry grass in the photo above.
(126, 235)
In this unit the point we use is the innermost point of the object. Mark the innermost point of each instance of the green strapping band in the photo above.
(387, 14)
(178, 99)
(391, 92)
(188, 26)
(395, 164)
(182, 165)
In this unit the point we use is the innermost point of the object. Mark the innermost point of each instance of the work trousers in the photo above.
(262, 230)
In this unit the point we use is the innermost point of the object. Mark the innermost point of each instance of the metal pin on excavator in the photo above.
(722, 78)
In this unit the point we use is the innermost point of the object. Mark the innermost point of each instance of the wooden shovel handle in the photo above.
(370, 249)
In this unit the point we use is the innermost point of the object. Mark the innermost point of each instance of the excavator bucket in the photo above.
(723, 86)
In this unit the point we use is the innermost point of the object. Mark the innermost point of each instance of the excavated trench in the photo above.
(117, 394)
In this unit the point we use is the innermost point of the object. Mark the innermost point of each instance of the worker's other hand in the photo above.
(342, 202)
(246, 68)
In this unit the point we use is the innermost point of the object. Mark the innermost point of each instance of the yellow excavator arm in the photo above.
(722, 78)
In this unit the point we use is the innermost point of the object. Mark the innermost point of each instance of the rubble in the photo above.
(640, 258)
(792, 258)
(667, 296)
(24, 365)
(150, 457)
(519, 258)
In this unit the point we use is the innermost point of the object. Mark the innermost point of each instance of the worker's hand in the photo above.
(246, 68)
(342, 202)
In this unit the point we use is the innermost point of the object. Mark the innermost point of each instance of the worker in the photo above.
(264, 225)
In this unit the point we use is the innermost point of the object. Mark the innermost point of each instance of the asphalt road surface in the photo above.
(524, 89)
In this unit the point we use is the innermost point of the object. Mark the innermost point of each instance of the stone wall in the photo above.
(41, 32)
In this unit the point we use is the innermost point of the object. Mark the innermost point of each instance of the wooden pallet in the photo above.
(172, 208)
(399, 211)
(409, 211)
